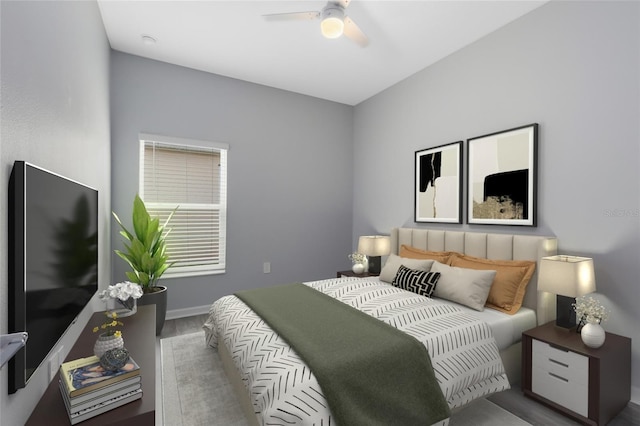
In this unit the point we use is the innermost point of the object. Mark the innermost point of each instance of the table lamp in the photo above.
(374, 246)
(568, 277)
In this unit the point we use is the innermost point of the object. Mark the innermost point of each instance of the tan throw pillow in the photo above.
(468, 287)
(393, 263)
(416, 253)
(510, 283)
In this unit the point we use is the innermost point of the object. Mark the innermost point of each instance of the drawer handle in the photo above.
(558, 362)
(558, 377)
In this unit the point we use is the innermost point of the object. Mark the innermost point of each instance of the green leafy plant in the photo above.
(145, 247)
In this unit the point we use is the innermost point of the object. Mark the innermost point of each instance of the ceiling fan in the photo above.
(333, 21)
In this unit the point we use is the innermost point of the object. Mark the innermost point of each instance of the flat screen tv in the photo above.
(53, 261)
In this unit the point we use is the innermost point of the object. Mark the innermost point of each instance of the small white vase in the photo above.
(121, 308)
(357, 268)
(593, 335)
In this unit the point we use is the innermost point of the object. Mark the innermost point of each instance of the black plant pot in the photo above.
(158, 298)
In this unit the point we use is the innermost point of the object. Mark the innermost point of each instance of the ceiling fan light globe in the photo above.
(332, 27)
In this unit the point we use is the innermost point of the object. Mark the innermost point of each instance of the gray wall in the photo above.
(572, 67)
(289, 172)
(55, 114)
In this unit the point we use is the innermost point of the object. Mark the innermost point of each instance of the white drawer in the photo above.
(566, 364)
(542, 350)
(574, 396)
(560, 376)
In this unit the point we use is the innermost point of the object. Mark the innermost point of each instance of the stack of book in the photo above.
(88, 389)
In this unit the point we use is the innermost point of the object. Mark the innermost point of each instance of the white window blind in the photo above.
(193, 179)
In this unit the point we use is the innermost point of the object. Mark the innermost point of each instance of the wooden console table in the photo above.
(140, 340)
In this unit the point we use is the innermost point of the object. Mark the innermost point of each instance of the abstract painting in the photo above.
(438, 184)
(502, 177)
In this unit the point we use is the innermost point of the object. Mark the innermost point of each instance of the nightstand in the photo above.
(350, 273)
(560, 371)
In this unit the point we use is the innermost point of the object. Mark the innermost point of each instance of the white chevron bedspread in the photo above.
(283, 391)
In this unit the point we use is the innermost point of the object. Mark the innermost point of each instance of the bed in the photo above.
(242, 338)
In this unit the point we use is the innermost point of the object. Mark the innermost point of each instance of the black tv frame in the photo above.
(17, 284)
(17, 320)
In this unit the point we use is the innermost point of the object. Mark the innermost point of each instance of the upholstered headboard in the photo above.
(489, 246)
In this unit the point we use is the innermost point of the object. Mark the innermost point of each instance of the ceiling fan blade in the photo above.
(354, 32)
(295, 16)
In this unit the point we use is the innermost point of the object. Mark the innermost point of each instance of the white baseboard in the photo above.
(187, 312)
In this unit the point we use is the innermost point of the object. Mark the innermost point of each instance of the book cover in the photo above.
(103, 407)
(75, 405)
(113, 389)
(85, 375)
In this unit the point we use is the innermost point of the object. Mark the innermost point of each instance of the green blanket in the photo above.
(370, 372)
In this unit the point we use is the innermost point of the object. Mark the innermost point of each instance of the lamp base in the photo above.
(374, 264)
(565, 315)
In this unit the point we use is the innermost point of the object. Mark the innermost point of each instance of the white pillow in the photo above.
(393, 263)
(469, 287)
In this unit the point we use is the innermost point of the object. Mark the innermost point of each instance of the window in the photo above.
(192, 177)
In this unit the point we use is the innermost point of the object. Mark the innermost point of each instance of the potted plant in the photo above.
(591, 314)
(146, 255)
(110, 338)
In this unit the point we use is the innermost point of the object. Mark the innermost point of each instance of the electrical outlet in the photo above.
(54, 363)
(266, 267)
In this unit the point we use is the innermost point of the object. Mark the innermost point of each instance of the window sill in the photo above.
(167, 275)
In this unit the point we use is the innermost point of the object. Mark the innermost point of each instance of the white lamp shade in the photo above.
(374, 245)
(570, 276)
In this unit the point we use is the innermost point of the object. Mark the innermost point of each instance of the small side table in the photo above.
(350, 273)
(589, 385)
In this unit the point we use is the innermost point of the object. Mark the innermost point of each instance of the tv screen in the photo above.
(53, 261)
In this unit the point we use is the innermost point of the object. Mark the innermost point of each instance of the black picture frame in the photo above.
(438, 184)
(502, 177)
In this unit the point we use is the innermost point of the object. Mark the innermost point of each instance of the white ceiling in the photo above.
(231, 38)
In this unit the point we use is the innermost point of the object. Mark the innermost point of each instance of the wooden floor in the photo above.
(181, 326)
(512, 400)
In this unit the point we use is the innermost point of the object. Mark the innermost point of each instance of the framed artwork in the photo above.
(501, 173)
(438, 184)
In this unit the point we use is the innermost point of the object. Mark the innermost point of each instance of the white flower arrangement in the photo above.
(357, 257)
(590, 310)
(122, 291)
